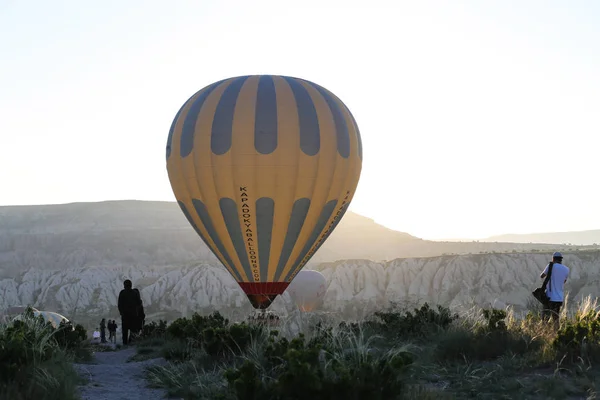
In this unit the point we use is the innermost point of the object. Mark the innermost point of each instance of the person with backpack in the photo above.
(128, 303)
(555, 276)
(138, 326)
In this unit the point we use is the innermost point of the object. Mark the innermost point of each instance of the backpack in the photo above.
(540, 293)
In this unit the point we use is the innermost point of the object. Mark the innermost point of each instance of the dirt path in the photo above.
(111, 377)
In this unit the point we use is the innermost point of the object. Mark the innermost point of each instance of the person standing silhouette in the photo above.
(129, 301)
(111, 334)
(103, 331)
(114, 325)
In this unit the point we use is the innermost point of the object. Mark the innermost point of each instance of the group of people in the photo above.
(112, 330)
(132, 313)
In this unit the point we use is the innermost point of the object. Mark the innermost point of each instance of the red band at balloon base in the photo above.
(262, 294)
(264, 287)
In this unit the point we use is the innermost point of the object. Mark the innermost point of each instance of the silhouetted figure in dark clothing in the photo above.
(103, 331)
(112, 331)
(129, 302)
(141, 316)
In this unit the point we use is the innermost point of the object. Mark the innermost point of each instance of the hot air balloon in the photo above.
(264, 168)
(307, 289)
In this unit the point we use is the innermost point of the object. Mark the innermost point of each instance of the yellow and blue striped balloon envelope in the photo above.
(264, 167)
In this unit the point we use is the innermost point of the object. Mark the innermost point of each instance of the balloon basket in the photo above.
(264, 317)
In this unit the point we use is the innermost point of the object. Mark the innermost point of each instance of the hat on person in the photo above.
(557, 255)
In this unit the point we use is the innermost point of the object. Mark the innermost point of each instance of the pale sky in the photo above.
(477, 117)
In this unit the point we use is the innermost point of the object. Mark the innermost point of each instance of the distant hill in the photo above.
(149, 233)
(575, 238)
(141, 233)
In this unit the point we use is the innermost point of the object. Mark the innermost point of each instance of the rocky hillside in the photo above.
(72, 259)
(141, 234)
(354, 286)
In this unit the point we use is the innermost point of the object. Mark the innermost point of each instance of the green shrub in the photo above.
(35, 359)
(178, 350)
(579, 337)
(24, 343)
(494, 320)
(155, 329)
(298, 369)
(485, 341)
(419, 324)
(70, 336)
(54, 379)
(483, 346)
(489, 356)
(234, 339)
(192, 328)
(213, 334)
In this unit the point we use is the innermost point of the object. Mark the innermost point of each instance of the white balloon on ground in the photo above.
(49, 316)
(54, 318)
(307, 289)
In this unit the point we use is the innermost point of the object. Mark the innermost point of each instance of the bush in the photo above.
(298, 369)
(234, 339)
(579, 337)
(419, 324)
(192, 328)
(213, 334)
(329, 365)
(23, 344)
(494, 321)
(178, 350)
(489, 355)
(486, 340)
(154, 329)
(35, 359)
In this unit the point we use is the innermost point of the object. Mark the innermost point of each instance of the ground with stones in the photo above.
(111, 377)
